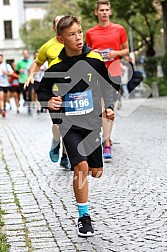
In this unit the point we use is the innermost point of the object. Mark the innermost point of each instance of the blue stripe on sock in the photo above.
(83, 209)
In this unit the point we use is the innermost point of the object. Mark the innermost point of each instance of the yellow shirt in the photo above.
(49, 51)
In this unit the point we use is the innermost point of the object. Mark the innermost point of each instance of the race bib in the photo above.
(104, 53)
(79, 103)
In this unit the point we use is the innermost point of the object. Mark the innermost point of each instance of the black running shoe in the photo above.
(84, 227)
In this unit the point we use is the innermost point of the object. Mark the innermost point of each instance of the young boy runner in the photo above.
(72, 89)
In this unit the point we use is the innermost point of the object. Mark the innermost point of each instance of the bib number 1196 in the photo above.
(79, 103)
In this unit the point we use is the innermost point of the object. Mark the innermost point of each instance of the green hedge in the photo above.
(162, 84)
(151, 63)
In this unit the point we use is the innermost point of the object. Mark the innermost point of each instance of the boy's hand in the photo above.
(110, 114)
(55, 103)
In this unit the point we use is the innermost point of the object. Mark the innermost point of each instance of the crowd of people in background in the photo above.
(12, 79)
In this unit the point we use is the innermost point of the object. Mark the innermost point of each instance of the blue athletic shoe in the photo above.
(54, 153)
(65, 163)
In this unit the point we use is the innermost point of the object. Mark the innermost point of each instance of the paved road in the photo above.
(128, 204)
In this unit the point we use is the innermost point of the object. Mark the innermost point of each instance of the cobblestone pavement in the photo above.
(128, 204)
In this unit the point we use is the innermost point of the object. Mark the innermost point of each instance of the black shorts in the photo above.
(33, 87)
(89, 150)
(55, 117)
(21, 87)
(5, 89)
(15, 89)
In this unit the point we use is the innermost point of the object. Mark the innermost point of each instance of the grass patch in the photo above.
(4, 246)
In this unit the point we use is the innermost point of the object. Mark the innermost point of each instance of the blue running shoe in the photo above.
(54, 153)
(65, 162)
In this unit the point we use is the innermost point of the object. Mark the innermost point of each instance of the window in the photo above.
(6, 2)
(8, 29)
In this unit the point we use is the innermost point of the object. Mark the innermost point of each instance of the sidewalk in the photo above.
(129, 106)
(157, 103)
(128, 204)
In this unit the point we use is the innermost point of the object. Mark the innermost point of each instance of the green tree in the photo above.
(61, 7)
(37, 31)
(141, 16)
(164, 14)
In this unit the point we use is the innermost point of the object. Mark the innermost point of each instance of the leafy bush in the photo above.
(162, 84)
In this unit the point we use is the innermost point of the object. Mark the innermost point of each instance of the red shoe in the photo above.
(3, 113)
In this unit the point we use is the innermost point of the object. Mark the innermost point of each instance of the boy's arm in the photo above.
(45, 94)
(108, 93)
(107, 87)
(48, 100)
(44, 91)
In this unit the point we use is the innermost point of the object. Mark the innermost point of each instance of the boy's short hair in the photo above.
(99, 2)
(66, 22)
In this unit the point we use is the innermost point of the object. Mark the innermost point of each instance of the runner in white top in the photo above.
(5, 71)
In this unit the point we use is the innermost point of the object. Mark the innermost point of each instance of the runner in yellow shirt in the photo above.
(48, 52)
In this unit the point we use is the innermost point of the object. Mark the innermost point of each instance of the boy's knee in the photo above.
(82, 167)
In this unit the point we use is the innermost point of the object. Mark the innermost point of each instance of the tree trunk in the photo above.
(164, 13)
(150, 52)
